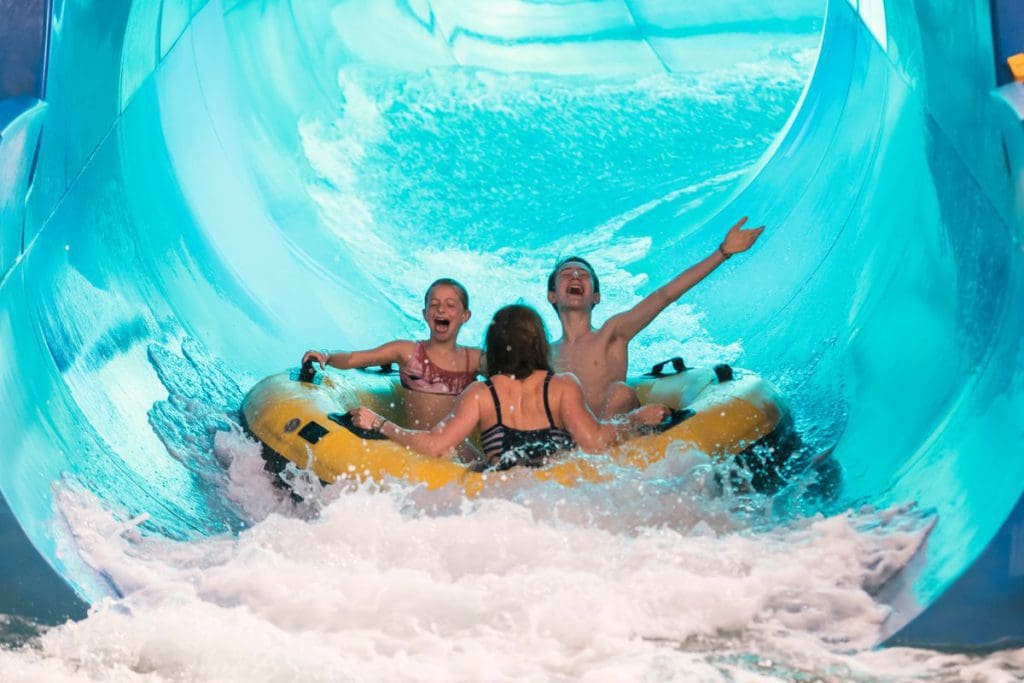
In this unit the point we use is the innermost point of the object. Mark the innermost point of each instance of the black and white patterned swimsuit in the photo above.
(507, 447)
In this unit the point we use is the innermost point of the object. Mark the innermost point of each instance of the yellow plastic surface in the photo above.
(729, 417)
(1016, 64)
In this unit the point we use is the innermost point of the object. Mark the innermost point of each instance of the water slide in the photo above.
(153, 191)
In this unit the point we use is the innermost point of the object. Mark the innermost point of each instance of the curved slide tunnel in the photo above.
(152, 189)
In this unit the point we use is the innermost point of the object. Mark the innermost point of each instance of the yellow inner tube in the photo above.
(298, 421)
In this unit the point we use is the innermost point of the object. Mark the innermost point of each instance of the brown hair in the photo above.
(516, 343)
(553, 275)
(576, 259)
(463, 294)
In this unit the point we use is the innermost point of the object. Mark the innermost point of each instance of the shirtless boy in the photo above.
(599, 357)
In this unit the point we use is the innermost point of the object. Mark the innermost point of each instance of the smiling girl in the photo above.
(434, 372)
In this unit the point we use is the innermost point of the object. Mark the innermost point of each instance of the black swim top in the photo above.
(508, 447)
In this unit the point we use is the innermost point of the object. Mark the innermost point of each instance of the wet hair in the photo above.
(463, 294)
(573, 259)
(516, 342)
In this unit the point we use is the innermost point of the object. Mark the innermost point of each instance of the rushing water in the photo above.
(490, 177)
(659, 576)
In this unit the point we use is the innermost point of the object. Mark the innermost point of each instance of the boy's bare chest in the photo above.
(592, 354)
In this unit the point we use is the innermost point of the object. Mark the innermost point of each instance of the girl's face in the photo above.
(444, 312)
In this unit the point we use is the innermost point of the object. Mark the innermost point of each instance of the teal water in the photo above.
(491, 177)
(239, 181)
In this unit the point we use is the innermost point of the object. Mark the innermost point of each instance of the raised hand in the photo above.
(738, 240)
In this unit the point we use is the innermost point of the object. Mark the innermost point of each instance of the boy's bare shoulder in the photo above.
(566, 381)
(611, 328)
(607, 335)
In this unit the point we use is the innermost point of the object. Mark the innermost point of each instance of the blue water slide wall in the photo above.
(154, 189)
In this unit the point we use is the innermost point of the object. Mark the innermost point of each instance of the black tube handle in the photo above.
(659, 369)
(724, 373)
(382, 369)
(307, 372)
(671, 420)
(674, 418)
(345, 420)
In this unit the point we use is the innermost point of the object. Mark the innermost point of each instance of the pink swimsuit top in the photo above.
(421, 374)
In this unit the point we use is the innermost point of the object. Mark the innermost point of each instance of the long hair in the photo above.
(516, 343)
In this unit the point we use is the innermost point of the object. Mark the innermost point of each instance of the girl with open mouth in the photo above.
(433, 371)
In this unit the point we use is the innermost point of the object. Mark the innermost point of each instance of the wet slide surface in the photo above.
(195, 192)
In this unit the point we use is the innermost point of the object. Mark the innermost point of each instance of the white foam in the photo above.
(554, 584)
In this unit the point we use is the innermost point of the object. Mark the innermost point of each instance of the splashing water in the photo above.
(431, 174)
(371, 584)
(659, 575)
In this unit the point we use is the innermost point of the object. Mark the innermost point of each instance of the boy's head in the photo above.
(445, 308)
(573, 283)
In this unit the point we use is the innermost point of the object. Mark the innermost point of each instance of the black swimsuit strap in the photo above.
(547, 406)
(494, 395)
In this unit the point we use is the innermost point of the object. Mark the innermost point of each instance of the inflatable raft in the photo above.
(301, 417)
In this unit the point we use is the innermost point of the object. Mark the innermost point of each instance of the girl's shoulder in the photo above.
(474, 392)
(404, 348)
(476, 358)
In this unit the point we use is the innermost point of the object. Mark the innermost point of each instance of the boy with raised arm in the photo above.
(599, 357)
